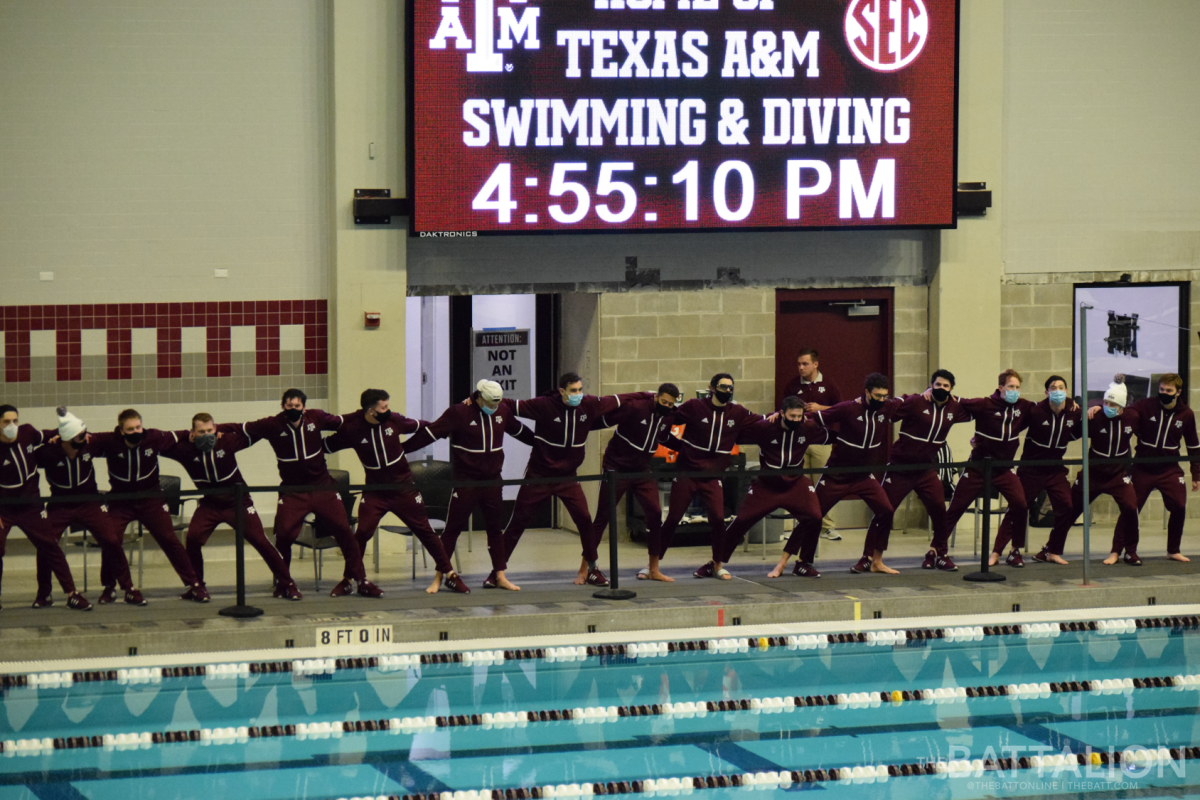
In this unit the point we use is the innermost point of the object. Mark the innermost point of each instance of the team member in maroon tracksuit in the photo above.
(476, 431)
(131, 452)
(819, 394)
(641, 424)
(1053, 424)
(781, 446)
(925, 420)
(373, 432)
(211, 462)
(1166, 422)
(67, 462)
(999, 420)
(19, 445)
(295, 436)
(564, 420)
(861, 427)
(712, 426)
(1110, 435)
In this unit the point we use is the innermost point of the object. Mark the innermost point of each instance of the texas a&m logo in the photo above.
(886, 35)
(512, 29)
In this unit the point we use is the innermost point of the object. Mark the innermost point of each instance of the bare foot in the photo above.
(1179, 557)
(1112, 559)
(993, 559)
(437, 584)
(581, 578)
(655, 575)
(1054, 558)
(504, 583)
(879, 566)
(779, 568)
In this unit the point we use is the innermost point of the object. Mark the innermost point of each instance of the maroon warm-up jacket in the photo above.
(998, 425)
(377, 446)
(1048, 434)
(561, 433)
(1160, 432)
(781, 448)
(299, 451)
(639, 432)
(1111, 439)
(215, 469)
(923, 428)
(132, 469)
(18, 464)
(68, 476)
(476, 439)
(710, 433)
(861, 434)
(823, 392)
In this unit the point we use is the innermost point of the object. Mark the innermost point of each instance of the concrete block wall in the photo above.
(647, 338)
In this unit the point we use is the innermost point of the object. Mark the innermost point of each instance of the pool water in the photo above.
(685, 744)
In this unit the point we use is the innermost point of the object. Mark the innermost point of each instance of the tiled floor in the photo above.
(550, 604)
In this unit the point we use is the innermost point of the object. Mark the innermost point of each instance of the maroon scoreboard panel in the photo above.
(586, 115)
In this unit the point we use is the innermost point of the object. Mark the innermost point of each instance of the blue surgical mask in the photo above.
(1110, 412)
(574, 399)
(1012, 395)
(486, 410)
(1058, 397)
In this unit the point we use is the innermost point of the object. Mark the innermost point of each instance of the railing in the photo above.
(610, 479)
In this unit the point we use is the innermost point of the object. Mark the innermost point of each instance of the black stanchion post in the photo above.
(984, 575)
(613, 591)
(241, 610)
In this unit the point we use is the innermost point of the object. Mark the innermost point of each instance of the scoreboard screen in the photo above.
(586, 115)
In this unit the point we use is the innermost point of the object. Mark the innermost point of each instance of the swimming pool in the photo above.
(954, 712)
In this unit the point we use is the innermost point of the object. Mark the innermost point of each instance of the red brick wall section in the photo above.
(168, 319)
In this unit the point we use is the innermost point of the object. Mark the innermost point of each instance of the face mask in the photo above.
(723, 395)
(792, 424)
(941, 395)
(205, 442)
(10, 430)
(661, 410)
(574, 399)
(293, 414)
(134, 438)
(486, 410)
(1166, 399)
(383, 416)
(1058, 397)
(1110, 412)
(1012, 395)
(874, 404)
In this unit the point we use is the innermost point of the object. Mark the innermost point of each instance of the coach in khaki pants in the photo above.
(818, 394)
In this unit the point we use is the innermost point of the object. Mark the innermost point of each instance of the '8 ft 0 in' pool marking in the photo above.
(354, 634)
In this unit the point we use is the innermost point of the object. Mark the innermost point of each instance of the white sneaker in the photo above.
(832, 535)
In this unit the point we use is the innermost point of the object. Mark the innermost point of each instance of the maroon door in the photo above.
(837, 323)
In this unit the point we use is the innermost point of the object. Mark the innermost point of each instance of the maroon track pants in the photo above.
(646, 493)
(155, 518)
(331, 520)
(1120, 487)
(1033, 482)
(712, 495)
(1172, 485)
(463, 501)
(970, 486)
(532, 495)
(896, 486)
(32, 523)
(832, 489)
(95, 518)
(797, 496)
(409, 507)
(206, 519)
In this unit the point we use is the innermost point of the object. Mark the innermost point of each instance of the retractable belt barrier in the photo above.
(987, 466)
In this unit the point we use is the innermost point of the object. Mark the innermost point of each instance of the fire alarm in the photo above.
(371, 319)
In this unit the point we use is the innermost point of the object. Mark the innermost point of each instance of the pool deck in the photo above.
(549, 604)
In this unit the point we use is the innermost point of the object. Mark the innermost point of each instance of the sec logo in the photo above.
(886, 35)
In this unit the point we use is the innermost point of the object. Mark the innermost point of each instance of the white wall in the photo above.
(1101, 167)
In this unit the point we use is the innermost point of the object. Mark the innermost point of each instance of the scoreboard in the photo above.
(586, 115)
